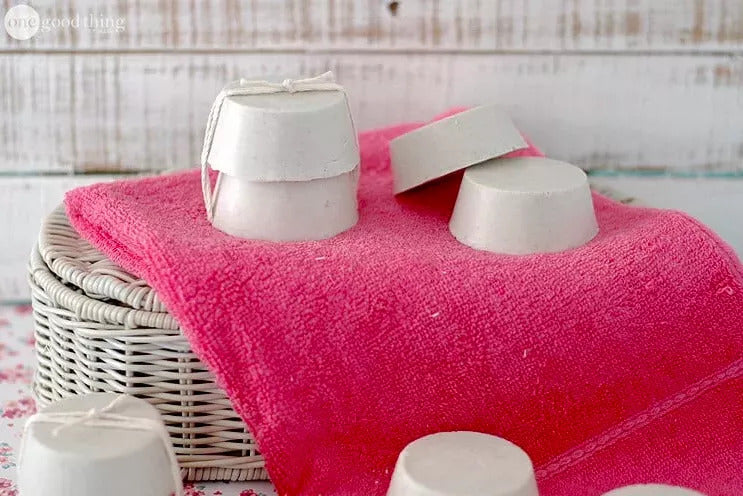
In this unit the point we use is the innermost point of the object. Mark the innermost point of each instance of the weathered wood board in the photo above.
(718, 202)
(26, 201)
(122, 111)
(427, 25)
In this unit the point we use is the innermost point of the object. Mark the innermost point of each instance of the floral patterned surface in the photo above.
(16, 404)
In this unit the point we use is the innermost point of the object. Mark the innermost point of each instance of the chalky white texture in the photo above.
(253, 122)
(286, 210)
(462, 464)
(451, 144)
(267, 134)
(117, 445)
(524, 205)
(652, 490)
(288, 160)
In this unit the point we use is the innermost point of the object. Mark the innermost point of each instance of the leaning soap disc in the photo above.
(652, 490)
(451, 144)
(462, 463)
(524, 205)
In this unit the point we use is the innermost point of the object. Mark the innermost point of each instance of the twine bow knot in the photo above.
(244, 87)
(70, 419)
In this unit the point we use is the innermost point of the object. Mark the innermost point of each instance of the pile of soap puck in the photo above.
(472, 463)
(508, 205)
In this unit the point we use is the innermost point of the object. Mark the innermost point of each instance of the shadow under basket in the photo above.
(100, 329)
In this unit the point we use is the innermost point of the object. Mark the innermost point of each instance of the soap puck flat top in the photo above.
(75, 441)
(652, 490)
(452, 144)
(529, 175)
(304, 101)
(462, 463)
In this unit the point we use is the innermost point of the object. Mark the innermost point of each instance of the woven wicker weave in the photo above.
(99, 328)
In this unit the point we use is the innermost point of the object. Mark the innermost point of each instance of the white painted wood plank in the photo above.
(505, 25)
(25, 202)
(114, 112)
(716, 202)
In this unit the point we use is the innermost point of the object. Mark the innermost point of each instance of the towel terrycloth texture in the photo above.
(613, 363)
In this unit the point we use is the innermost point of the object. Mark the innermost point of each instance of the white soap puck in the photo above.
(286, 210)
(76, 457)
(451, 144)
(652, 490)
(462, 464)
(285, 136)
(524, 205)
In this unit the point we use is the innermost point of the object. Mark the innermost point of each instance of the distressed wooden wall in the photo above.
(624, 85)
(604, 83)
(421, 25)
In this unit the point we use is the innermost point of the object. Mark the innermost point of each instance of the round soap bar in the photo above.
(451, 144)
(286, 210)
(91, 460)
(285, 136)
(652, 490)
(524, 205)
(462, 464)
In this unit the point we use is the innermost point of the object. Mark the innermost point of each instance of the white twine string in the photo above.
(107, 419)
(244, 87)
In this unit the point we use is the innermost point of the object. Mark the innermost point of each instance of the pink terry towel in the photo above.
(614, 363)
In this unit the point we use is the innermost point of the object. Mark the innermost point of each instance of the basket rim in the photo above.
(72, 258)
(87, 308)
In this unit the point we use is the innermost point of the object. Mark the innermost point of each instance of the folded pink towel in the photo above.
(613, 363)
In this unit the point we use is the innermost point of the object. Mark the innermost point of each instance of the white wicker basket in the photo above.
(99, 328)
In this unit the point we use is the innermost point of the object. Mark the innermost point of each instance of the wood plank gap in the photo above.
(284, 50)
